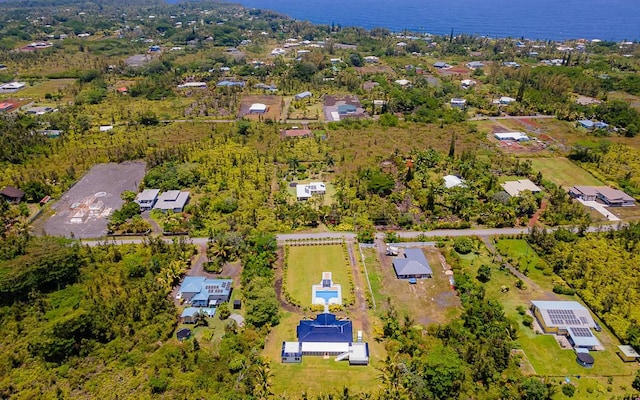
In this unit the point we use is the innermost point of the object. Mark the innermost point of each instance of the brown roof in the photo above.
(614, 194)
(585, 190)
(12, 192)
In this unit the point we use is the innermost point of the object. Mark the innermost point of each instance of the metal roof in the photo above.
(325, 328)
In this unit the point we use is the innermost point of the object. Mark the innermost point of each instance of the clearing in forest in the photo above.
(563, 172)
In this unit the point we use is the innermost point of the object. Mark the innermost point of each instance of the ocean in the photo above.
(532, 19)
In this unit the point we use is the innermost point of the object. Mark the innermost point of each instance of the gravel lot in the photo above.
(83, 210)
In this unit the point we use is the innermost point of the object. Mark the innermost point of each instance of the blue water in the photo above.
(326, 294)
(532, 19)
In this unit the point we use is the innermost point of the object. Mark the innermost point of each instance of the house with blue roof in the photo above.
(325, 328)
(413, 264)
(204, 292)
(326, 335)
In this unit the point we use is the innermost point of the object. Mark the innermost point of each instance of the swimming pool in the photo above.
(327, 294)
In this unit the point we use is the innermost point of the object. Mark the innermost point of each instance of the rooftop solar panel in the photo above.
(581, 332)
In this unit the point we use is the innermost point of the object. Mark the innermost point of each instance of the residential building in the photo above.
(567, 318)
(467, 83)
(204, 292)
(614, 197)
(288, 133)
(193, 85)
(514, 188)
(326, 336)
(12, 194)
(258, 108)
(515, 136)
(441, 65)
(172, 200)
(302, 95)
(475, 65)
(12, 87)
(586, 193)
(371, 59)
(339, 108)
(39, 110)
(413, 264)
(305, 191)
(230, 84)
(147, 199)
(189, 315)
(105, 128)
(403, 82)
(458, 103)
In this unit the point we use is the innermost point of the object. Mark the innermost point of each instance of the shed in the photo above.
(628, 353)
(12, 194)
(237, 304)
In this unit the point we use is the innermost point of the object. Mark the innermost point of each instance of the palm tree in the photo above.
(263, 375)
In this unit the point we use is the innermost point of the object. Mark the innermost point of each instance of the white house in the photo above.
(514, 188)
(106, 128)
(402, 82)
(467, 83)
(306, 191)
(172, 200)
(147, 199)
(458, 103)
(12, 87)
(258, 108)
(191, 85)
(515, 136)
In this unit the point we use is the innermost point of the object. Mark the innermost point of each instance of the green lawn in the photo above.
(563, 172)
(306, 265)
(519, 254)
(316, 374)
(542, 351)
(373, 266)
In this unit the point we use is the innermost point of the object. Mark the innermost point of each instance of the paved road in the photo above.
(483, 118)
(351, 236)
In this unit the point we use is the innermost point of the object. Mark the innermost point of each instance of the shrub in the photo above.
(463, 245)
(562, 289)
(527, 321)
(484, 273)
(568, 390)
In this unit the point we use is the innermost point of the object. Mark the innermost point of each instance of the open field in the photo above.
(428, 301)
(273, 103)
(563, 172)
(544, 354)
(306, 265)
(40, 88)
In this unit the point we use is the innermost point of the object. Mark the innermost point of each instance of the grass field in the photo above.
(306, 265)
(316, 374)
(542, 351)
(563, 172)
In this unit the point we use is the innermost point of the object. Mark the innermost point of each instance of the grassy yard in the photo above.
(317, 374)
(327, 199)
(563, 172)
(306, 265)
(543, 353)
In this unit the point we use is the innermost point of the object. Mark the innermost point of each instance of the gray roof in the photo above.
(172, 199)
(413, 263)
(614, 194)
(147, 195)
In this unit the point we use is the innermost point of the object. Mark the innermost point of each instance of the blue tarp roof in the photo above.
(325, 328)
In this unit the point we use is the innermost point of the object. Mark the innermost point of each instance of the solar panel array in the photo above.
(581, 332)
(563, 317)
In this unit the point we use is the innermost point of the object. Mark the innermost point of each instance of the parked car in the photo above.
(413, 281)
(597, 327)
